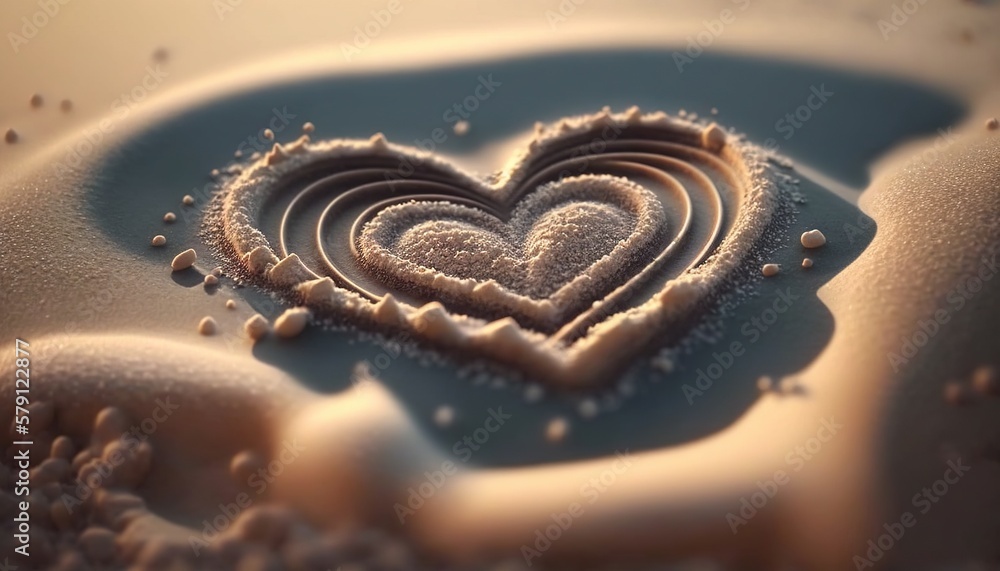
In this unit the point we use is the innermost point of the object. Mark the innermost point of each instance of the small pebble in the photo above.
(765, 384)
(66, 105)
(308, 127)
(184, 260)
(207, 326)
(11, 136)
(534, 393)
(159, 240)
(556, 430)
(62, 447)
(713, 137)
(807, 262)
(770, 270)
(992, 123)
(211, 280)
(214, 173)
(986, 380)
(789, 385)
(444, 416)
(217, 271)
(36, 100)
(954, 393)
(714, 111)
(812, 239)
(244, 464)
(230, 304)
(98, 543)
(109, 425)
(588, 408)
(188, 200)
(238, 153)
(256, 327)
(169, 217)
(292, 322)
(269, 134)
(461, 128)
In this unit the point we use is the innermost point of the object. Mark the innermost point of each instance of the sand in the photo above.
(119, 332)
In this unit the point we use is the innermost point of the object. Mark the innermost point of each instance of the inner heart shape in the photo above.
(609, 235)
(565, 245)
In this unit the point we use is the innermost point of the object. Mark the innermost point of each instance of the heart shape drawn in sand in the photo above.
(563, 247)
(609, 235)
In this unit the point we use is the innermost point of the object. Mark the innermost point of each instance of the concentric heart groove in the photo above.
(607, 233)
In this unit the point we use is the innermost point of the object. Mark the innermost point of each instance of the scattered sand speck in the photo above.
(807, 262)
(308, 127)
(812, 239)
(765, 384)
(66, 105)
(36, 100)
(954, 393)
(588, 408)
(237, 153)
(986, 380)
(444, 416)
(188, 200)
(207, 326)
(10, 136)
(269, 134)
(461, 128)
(256, 327)
(184, 260)
(770, 270)
(159, 240)
(534, 393)
(557, 430)
(244, 464)
(169, 217)
(161, 55)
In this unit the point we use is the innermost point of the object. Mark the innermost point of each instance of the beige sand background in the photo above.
(94, 54)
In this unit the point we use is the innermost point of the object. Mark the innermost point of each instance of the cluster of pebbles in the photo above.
(86, 513)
